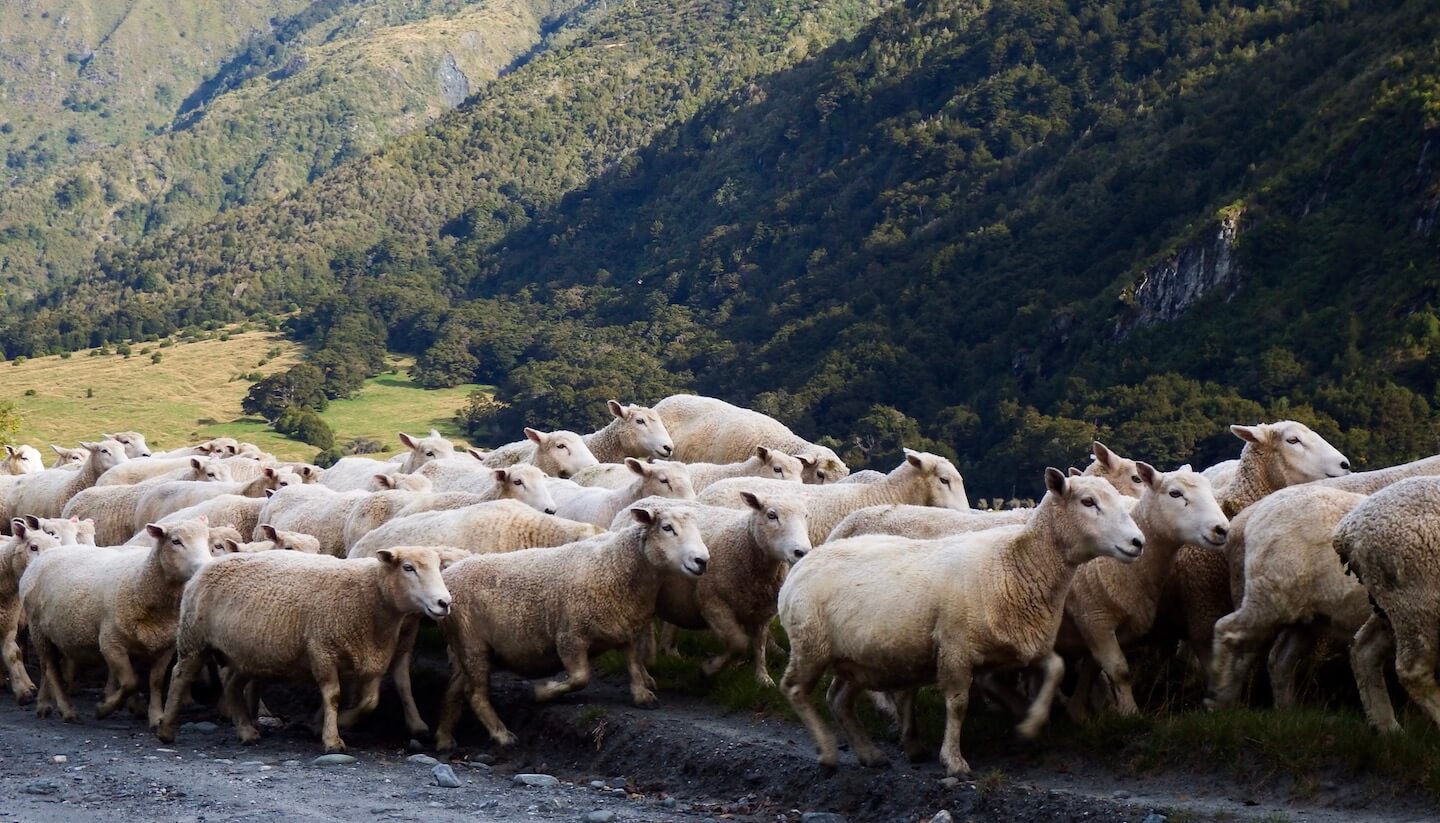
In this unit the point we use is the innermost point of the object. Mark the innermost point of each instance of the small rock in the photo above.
(597, 784)
(422, 759)
(227, 761)
(600, 816)
(950, 782)
(289, 762)
(332, 760)
(539, 781)
(668, 803)
(445, 776)
(821, 817)
(1155, 817)
(203, 726)
(252, 763)
(60, 758)
(41, 787)
(942, 816)
(1120, 794)
(619, 793)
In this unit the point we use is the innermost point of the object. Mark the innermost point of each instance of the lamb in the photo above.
(893, 614)
(559, 453)
(68, 458)
(712, 431)
(922, 522)
(121, 603)
(15, 557)
(164, 498)
(635, 431)
(537, 611)
(1113, 604)
(275, 540)
(351, 473)
(113, 507)
(319, 616)
(750, 551)
(765, 463)
(922, 479)
(21, 460)
(486, 528)
(44, 494)
(599, 505)
(134, 443)
(1388, 542)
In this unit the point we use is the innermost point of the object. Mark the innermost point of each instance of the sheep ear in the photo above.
(156, 530)
(230, 545)
(1148, 474)
(74, 518)
(89, 446)
(434, 434)
(18, 528)
(475, 453)
(449, 556)
(914, 458)
(269, 493)
(1074, 472)
(635, 465)
(1055, 480)
(10, 450)
(386, 556)
(195, 463)
(1103, 455)
(385, 480)
(410, 442)
(1250, 434)
(1185, 468)
(762, 453)
(269, 471)
(806, 460)
(501, 475)
(269, 532)
(752, 501)
(615, 408)
(58, 449)
(643, 516)
(534, 434)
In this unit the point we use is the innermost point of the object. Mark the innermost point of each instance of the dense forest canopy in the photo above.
(995, 230)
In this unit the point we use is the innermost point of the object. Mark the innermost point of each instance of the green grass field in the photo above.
(194, 393)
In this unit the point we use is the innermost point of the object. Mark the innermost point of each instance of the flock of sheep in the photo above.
(221, 561)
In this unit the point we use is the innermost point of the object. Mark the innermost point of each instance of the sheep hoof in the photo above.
(444, 744)
(421, 732)
(765, 681)
(24, 696)
(872, 760)
(165, 734)
(956, 767)
(337, 747)
(43, 711)
(645, 698)
(505, 738)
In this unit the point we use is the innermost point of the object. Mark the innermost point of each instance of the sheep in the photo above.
(712, 431)
(537, 611)
(1275, 455)
(44, 494)
(765, 463)
(315, 510)
(921, 479)
(67, 458)
(113, 507)
(521, 482)
(499, 526)
(282, 614)
(921, 522)
(559, 453)
(599, 506)
(275, 540)
(243, 513)
(351, 473)
(70, 531)
(750, 551)
(399, 481)
(893, 614)
(1120, 472)
(120, 602)
(15, 556)
(140, 470)
(134, 443)
(635, 431)
(863, 476)
(1113, 604)
(1388, 542)
(164, 498)
(21, 460)
(396, 493)
(218, 447)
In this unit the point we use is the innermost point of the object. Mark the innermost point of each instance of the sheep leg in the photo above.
(52, 688)
(1106, 651)
(647, 643)
(20, 682)
(1415, 658)
(799, 680)
(126, 682)
(574, 655)
(470, 676)
(1369, 652)
(955, 686)
(328, 679)
(1078, 704)
(369, 699)
(668, 633)
(238, 698)
(400, 673)
(450, 709)
(1293, 645)
(842, 706)
(1052, 668)
(642, 685)
(905, 718)
(736, 642)
(158, 667)
(1239, 639)
(760, 643)
(186, 668)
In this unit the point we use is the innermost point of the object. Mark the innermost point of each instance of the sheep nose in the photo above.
(1137, 542)
(1345, 465)
(701, 563)
(668, 449)
(443, 604)
(550, 510)
(799, 553)
(1221, 532)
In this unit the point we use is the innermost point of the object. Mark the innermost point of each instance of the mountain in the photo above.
(994, 229)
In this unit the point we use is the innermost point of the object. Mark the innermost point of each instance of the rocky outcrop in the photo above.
(454, 85)
(1165, 290)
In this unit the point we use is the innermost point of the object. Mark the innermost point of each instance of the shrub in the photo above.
(364, 445)
(306, 426)
(327, 458)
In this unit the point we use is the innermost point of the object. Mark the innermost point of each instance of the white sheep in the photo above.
(635, 431)
(351, 473)
(66, 458)
(659, 478)
(921, 479)
(21, 460)
(15, 557)
(526, 483)
(172, 496)
(768, 464)
(1120, 472)
(894, 614)
(120, 602)
(275, 540)
(395, 493)
(922, 522)
(44, 494)
(485, 528)
(538, 611)
(134, 443)
(559, 453)
(707, 430)
(113, 507)
(238, 511)
(70, 531)
(863, 476)
(285, 615)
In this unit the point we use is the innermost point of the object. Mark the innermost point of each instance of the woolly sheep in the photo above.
(283, 614)
(707, 430)
(172, 496)
(15, 557)
(113, 507)
(44, 494)
(120, 602)
(893, 614)
(635, 431)
(522, 482)
(275, 540)
(396, 493)
(765, 463)
(750, 551)
(863, 476)
(350, 473)
(66, 458)
(922, 522)
(1388, 542)
(921, 479)
(1120, 472)
(218, 447)
(21, 460)
(537, 611)
(70, 531)
(144, 469)
(597, 505)
(238, 511)
(134, 443)
(559, 453)
(485, 528)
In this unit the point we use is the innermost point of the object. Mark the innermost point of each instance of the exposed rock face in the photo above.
(454, 85)
(1166, 290)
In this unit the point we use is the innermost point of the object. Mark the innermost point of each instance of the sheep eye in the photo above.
(819, 475)
(408, 567)
(175, 541)
(1135, 478)
(562, 446)
(669, 528)
(640, 422)
(429, 454)
(779, 470)
(1088, 502)
(1292, 440)
(664, 480)
(1176, 494)
(944, 481)
(772, 515)
(520, 483)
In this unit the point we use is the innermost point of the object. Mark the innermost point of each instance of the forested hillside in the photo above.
(991, 229)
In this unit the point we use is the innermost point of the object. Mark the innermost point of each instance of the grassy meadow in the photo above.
(194, 393)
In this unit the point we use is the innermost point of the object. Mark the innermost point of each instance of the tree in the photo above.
(10, 420)
(306, 426)
(302, 386)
